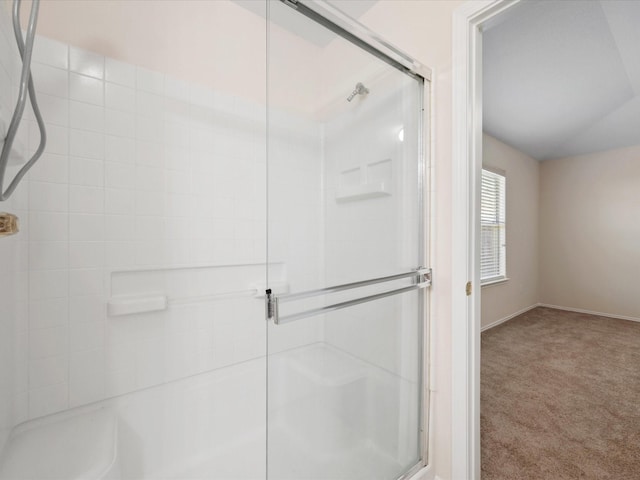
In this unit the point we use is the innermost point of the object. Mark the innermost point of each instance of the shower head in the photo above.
(359, 90)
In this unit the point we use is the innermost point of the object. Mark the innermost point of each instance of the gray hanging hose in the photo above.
(25, 48)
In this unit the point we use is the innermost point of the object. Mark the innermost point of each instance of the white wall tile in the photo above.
(86, 336)
(47, 400)
(121, 124)
(86, 254)
(50, 52)
(150, 362)
(48, 371)
(54, 110)
(85, 116)
(120, 175)
(86, 377)
(86, 171)
(86, 63)
(149, 154)
(149, 203)
(45, 226)
(57, 138)
(48, 284)
(87, 308)
(48, 255)
(50, 80)
(149, 81)
(86, 199)
(119, 97)
(120, 201)
(86, 282)
(48, 342)
(86, 89)
(84, 227)
(120, 228)
(149, 129)
(177, 89)
(51, 168)
(120, 72)
(149, 104)
(87, 144)
(48, 313)
(120, 149)
(120, 254)
(119, 382)
(48, 197)
(148, 178)
(149, 228)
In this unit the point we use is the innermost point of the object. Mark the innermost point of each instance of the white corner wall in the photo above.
(590, 232)
(503, 300)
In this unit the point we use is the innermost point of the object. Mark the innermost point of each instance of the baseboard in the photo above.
(590, 312)
(509, 317)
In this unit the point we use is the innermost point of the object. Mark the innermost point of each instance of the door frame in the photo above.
(466, 175)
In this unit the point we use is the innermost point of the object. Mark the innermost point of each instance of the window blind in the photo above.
(493, 227)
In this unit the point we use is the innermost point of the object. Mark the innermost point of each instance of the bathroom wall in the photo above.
(13, 281)
(151, 186)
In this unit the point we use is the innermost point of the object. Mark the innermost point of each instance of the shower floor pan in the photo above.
(329, 419)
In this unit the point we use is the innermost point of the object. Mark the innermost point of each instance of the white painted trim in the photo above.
(509, 317)
(426, 473)
(494, 282)
(466, 168)
(591, 312)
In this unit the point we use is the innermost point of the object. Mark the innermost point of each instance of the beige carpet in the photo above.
(561, 398)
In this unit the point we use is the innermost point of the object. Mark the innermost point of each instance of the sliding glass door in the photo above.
(346, 252)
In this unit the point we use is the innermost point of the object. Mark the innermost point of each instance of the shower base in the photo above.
(328, 419)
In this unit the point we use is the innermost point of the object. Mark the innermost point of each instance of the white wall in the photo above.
(521, 290)
(590, 233)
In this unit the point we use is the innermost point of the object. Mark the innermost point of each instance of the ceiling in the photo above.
(562, 78)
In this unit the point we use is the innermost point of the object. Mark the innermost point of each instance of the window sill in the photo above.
(493, 283)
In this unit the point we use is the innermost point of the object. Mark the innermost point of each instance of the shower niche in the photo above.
(372, 180)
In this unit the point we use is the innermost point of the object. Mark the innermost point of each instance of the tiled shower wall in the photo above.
(13, 380)
(148, 177)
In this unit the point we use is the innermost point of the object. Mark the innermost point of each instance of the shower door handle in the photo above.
(422, 277)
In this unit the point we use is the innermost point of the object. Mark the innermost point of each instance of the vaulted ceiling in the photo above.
(562, 78)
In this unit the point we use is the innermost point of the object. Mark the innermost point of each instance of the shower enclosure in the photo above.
(222, 266)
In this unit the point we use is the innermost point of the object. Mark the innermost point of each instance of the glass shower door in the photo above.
(346, 253)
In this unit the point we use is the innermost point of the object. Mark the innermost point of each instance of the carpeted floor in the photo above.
(560, 398)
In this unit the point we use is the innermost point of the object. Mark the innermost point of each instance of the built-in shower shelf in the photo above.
(364, 191)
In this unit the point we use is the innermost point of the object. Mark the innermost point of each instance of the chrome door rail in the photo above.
(422, 276)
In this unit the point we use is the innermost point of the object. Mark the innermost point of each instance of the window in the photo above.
(492, 225)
